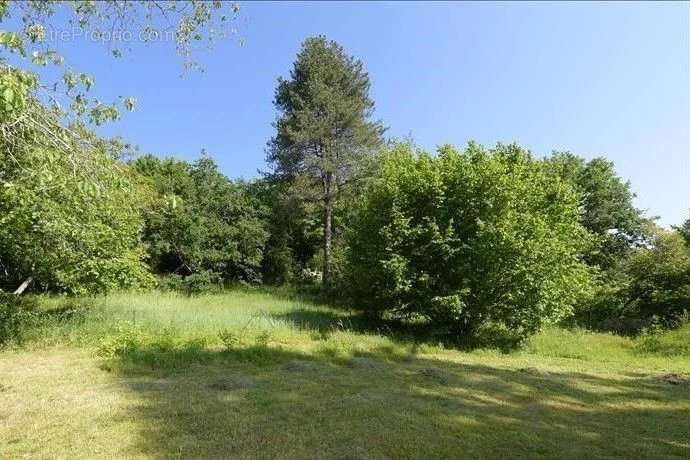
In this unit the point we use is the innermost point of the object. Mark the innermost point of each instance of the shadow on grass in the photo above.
(326, 322)
(295, 405)
(318, 320)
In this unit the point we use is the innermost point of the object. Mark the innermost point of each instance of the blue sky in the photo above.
(598, 79)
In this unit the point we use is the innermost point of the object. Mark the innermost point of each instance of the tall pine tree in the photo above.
(324, 127)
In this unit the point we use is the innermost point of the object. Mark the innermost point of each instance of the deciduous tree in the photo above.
(607, 205)
(201, 221)
(69, 211)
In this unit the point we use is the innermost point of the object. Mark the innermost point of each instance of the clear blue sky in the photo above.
(598, 79)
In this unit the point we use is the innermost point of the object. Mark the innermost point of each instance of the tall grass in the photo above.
(239, 320)
(673, 343)
(156, 316)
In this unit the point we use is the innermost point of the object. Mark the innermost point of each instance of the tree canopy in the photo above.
(200, 220)
(471, 243)
(69, 212)
(607, 205)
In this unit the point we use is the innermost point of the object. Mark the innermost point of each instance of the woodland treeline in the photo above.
(473, 241)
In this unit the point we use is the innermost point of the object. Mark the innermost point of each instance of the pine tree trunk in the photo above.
(327, 228)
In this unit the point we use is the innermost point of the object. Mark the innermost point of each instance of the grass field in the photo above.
(259, 375)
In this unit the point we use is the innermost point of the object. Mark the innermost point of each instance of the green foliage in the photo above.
(684, 230)
(132, 344)
(200, 282)
(125, 339)
(69, 212)
(24, 50)
(229, 339)
(621, 233)
(16, 315)
(14, 89)
(608, 210)
(201, 222)
(294, 225)
(675, 342)
(606, 309)
(650, 285)
(263, 339)
(323, 129)
(478, 243)
(324, 110)
(170, 283)
(472, 241)
(659, 274)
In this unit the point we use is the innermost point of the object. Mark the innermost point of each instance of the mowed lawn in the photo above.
(256, 375)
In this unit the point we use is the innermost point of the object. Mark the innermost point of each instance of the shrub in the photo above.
(650, 285)
(126, 340)
(133, 345)
(201, 282)
(201, 220)
(675, 342)
(171, 282)
(229, 339)
(307, 276)
(472, 241)
(262, 339)
(16, 314)
(193, 347)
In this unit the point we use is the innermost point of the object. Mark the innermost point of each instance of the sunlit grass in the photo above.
(314, 382)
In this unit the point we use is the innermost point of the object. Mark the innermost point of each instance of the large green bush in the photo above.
(473, 241)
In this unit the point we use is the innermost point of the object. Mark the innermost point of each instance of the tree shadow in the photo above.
(317, 320)
(300, 405)
(328, 321)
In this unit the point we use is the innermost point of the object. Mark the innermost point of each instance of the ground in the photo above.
(149, 376)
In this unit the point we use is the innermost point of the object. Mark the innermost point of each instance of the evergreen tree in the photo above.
(324, 127)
